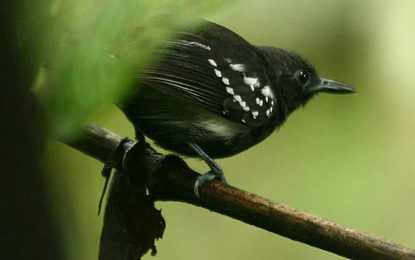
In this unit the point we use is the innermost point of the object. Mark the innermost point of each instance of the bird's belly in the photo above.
(216, 136)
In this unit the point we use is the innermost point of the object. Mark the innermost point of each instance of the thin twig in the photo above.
(173, 181)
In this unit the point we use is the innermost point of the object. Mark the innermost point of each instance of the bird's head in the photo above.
(296, 81)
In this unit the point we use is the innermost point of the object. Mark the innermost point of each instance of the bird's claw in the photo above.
(207, 177)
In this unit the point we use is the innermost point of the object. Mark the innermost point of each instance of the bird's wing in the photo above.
(216, 69)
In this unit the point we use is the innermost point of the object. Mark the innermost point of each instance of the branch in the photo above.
(173, 180)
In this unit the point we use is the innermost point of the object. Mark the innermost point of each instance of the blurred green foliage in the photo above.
(94, 48)
(350, 159)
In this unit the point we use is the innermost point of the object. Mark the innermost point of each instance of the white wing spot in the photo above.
(243, 121)
(218, 73)
(238, 67)
(230, 90)
(259, 102)
(268, 112)
(228, 60)
(243, 105)
(254, 114)
(266, 91)
(266, 99)
(225, 81)
(237, 98)
(212, 62)
(251, 81)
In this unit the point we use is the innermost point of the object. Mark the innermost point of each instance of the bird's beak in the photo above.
(331, 86)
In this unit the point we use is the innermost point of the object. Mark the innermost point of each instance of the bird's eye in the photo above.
(303, 76)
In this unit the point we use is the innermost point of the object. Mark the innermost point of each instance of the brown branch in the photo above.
(172, 180)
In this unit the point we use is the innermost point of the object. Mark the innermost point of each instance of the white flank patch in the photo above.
(246, 108)
(218, 73)
(225, 81)
(218, 127)
(237, 98)
(238, 67)
(230, 90)
(212, 62)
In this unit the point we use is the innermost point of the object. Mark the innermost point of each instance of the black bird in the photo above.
(212, 94)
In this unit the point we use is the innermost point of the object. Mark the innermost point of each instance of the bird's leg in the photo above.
(119, 157)
(214, 173)
(112, 162)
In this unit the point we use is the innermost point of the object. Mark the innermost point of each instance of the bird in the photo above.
(211, 94)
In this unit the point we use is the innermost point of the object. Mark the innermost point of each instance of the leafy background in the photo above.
(350, 159)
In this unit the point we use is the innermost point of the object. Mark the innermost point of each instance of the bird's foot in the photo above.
(207, 177)
(215, 172)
